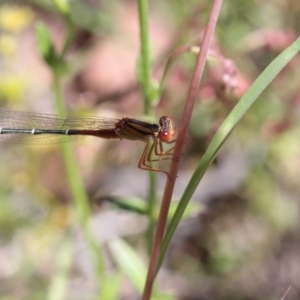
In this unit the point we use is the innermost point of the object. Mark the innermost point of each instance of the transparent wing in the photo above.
(30, 121)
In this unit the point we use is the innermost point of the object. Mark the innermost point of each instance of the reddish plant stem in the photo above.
(192, 94)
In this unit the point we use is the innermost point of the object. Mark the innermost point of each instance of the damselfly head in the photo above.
(167, 129)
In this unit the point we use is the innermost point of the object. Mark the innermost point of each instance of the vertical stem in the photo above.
(74, 178)
(145, 58)
(145, 79)
(77, 188)
(57, 63)
(192, 94)
(152, 204)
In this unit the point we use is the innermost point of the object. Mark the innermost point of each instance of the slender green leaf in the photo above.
(129, 203)
(58, 287)
(129, 262)
(63, 6)
(111, 288)
(44, 42)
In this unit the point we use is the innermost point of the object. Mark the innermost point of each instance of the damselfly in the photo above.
(33, 128)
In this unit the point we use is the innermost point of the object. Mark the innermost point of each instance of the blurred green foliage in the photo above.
(246, 244)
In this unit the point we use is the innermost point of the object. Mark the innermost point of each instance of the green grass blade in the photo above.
(129, 262)
(222, 134)
(58, 287)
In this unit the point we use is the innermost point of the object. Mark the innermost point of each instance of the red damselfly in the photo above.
(34, 128)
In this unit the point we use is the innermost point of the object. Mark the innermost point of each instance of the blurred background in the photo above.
(240, 239)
